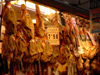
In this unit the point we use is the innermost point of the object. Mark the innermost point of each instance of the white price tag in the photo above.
(53, 36)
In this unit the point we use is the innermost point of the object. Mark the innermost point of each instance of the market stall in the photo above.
(41, 40)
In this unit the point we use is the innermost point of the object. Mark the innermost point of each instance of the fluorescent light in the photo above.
(28, 4)
(34, 20)
(44, 9)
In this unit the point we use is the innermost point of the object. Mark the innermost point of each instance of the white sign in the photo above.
(95, 20)
(53, 36)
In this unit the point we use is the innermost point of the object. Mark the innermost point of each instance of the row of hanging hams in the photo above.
(80, 41)
(21, 43)
(88, 48)
(27, 44)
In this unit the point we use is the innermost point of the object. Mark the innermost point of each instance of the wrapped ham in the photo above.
(26, 24)
(9, 18)
(39, 23)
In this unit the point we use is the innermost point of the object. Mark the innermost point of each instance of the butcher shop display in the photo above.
(26, 47)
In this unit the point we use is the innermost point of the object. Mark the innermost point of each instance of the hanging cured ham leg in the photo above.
(80, 63)
(27, 27)
(86, 64)
(55, 52)
(9, 18)
(39, 23)
(72, 32)
(66, 31)
(26, 24)
(10, 22)
(93, 46)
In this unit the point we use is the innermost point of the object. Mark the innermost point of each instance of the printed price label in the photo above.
(37, 40)
(53, 36)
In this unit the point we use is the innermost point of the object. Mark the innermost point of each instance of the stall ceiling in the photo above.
(71, 9)
(85, 6)
(62, 6)
(84, 9)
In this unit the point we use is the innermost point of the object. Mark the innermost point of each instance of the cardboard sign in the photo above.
(95, 20)
(53, 36)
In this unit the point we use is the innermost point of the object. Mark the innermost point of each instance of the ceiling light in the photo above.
(34, 20)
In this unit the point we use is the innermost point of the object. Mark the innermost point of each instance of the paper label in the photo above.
(37, 40)
(53, 36)
(32, 40)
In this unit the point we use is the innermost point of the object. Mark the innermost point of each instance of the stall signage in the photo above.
(53, 36)
(95, 20)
